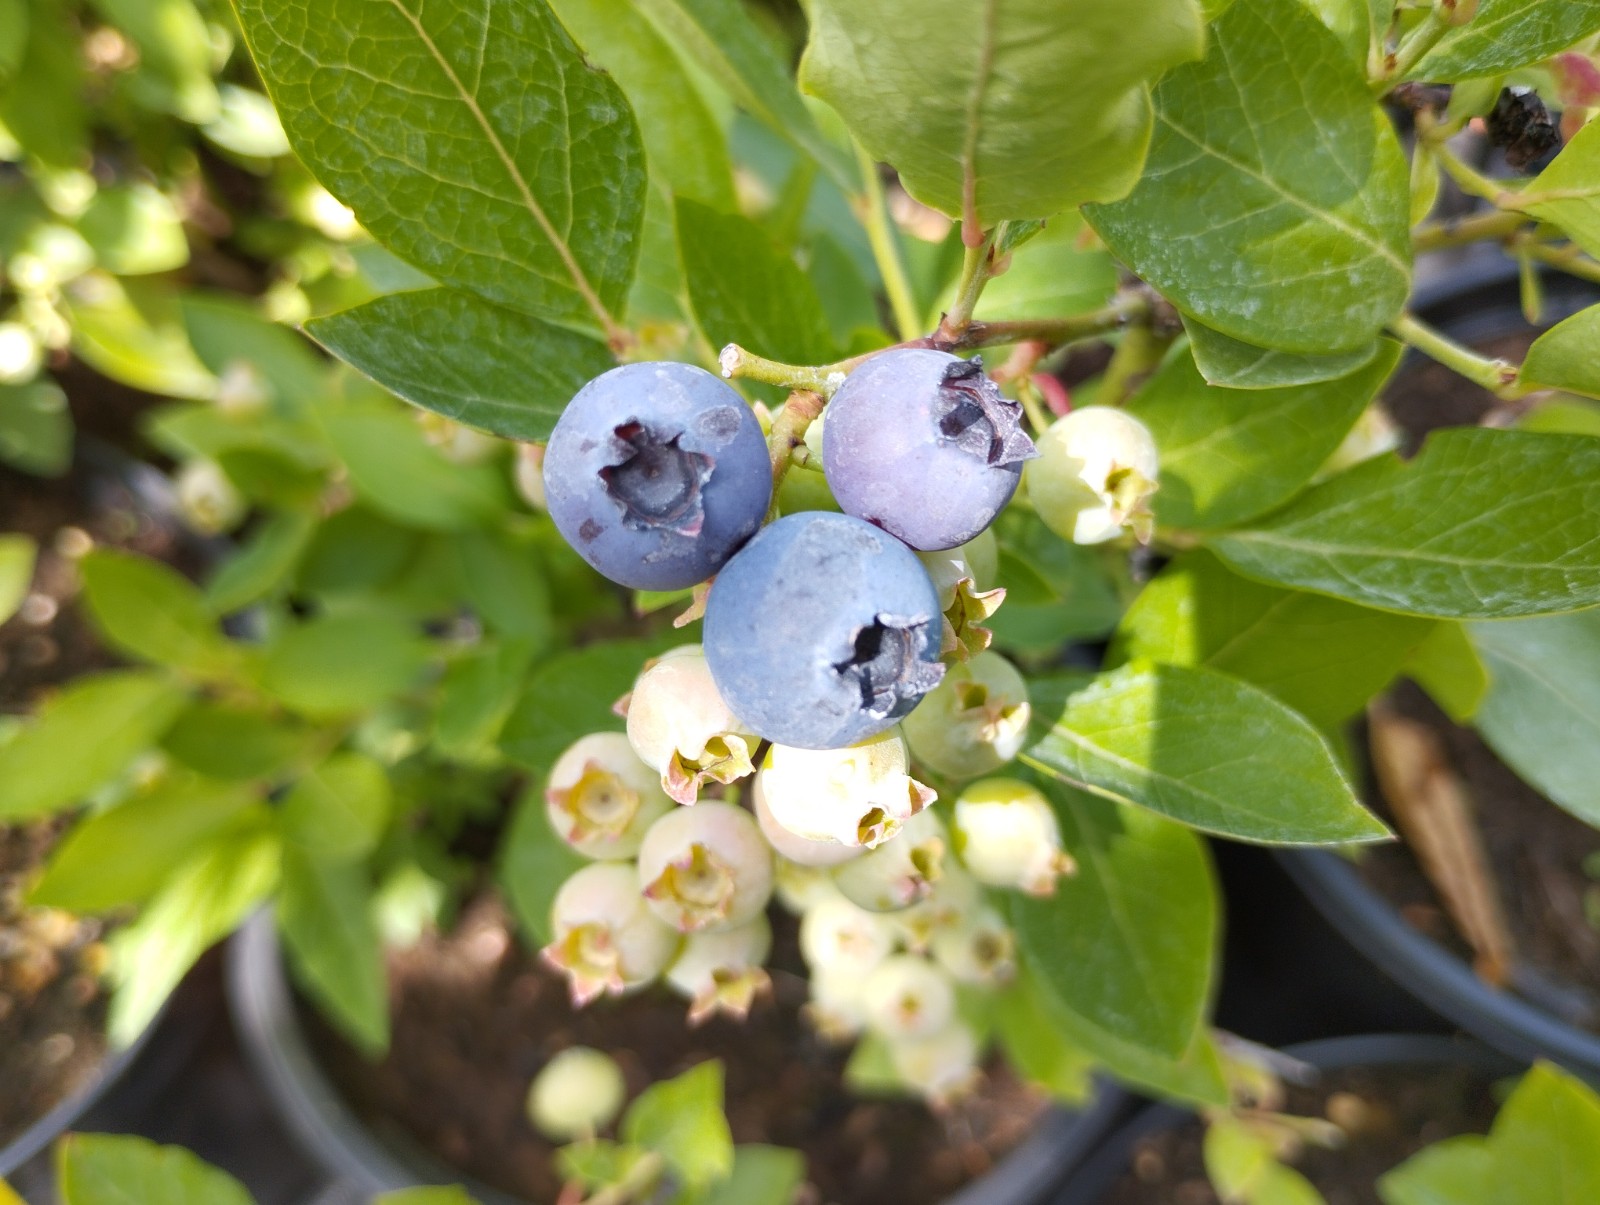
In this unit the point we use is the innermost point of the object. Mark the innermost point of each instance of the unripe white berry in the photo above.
(981, 951)
(1095, 474)
(800, 850)
(963, 577)
(21, 357)
(722, 971)
(1007, 835)
(577, 1094)
(859, 795)
(900, 872)
(601, 799)
(974, 721)
(941, 1066)
(209, 500)
(801, 888)
(838, 1006)
(909, 997)
(954, 897)
(681, 728)
(706, 867)
(836, 935)
(606, 938)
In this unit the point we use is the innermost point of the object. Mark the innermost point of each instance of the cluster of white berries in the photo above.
(890, 895)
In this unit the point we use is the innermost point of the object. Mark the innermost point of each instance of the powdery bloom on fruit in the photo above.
(681, 728)
(857, 796)
(1095, 475)
(607, 941)
(601, 799)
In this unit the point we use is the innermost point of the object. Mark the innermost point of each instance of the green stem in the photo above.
(641, 1179)
(1568, 258)
(1135, 358)
(886, 250)
(788, 433)
(1471, 180)
(1499, 377)
(1496, 224)
(1039, 418)
(1412, 48)
(735, 361)
(976, 265)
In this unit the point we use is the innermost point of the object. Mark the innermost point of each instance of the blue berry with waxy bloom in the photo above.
(823, 631)
(923, 445)
(657, 473)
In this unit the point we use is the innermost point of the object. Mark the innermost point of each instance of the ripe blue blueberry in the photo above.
(823, 631)
(656, 474)
(923, 445)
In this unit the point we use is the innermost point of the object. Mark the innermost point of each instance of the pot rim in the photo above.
(303, 1096)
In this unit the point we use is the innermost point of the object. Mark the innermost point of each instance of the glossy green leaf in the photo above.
(133, 229)
(1561, 414)
(261, 564)
(1038, 1049)
(503, 581)
(992, 111)
(681, 1119)
(397, 472)
(1278, 222)
(83, 737)
(1055, 591)
(110, 1169)
(236, 741)
(1563, 357)
(470, 139)
(1358, 23)
(43, 103)
(571, 695)
(1546, 1141)
(200, 903)
(1323, 657)
(477, 695)
(1129, 941)
(338, 810)
(762, 1175)
(246, 124)
(1203, 748)
(35, 428)
(534, 862)
(1542, 711)
(1447, 666)
(123, 855)
(1456, 1171)
(340, 664)
(1481, 525)
(459, 356)
(332, 943)
(1507, 34)
(16, 573)
(227, 331)
(132, 331)
(152, 612)
(174, 54)
(745, 289)
(1567, 193)
(1230, 454)
(1235, 365)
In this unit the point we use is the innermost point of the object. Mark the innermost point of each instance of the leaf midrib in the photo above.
(974, 120)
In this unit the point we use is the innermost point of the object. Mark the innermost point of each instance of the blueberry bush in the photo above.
(934, 487)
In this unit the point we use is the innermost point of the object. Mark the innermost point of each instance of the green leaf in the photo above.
(426, 1196)
(762, 1175)
(134, 229)
(477, 363)
(340, 664)
(202, 902)
(42, 105)
(505, 585)
(107, 1169)
(599, 1163)
(355, 551)
(35, 428)
(1456, 1171)
(1056, 591)
(1563, 357)
(83, 737)
(262, 564)
(1203, 748)
(745, 289)
(1359, 23)
(338, 810)
(1322, 657)
(1276, 221)
(227, 331)
(398, 473)
(246, 124)
(16, 573)
(992, 111)
(571, 695)
(1546, 1141)
(123, 855)
(236, 741)
(1562, 415)
(152, 612)
(1039, 1050)
(681, 136)
(174, 54)
(470, 139)
(1505, 35)
(325, 917)
(13, 35)
(1053, 273)
(1235, 365)
(1567, 194)
(475, 698)
(132, 331)
(534, 862)
(1481, 525)
(681, 1119)
(1230, 454)
(1128, 942)
(1542, 712)
(1447, 666)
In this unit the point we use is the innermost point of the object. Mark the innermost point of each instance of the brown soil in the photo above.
(1388, 1114)
(476, 1016)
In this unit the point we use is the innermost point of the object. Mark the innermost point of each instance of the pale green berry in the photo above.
(21, 357)
(974, 721)
(939, 1066)
(209, 500)
(962, 575)
(577, 1094)
(723, 972)
(706, 867)
(838, 1005)
(800, 888)
(900, 872)
(682, 729)
(801, 850)
(836, 935)
(601, 799)
(955, 896)
(858, 796)
(981, 951)
(607, 941)
(908, 996)
(1096, 471)
(1007, 835)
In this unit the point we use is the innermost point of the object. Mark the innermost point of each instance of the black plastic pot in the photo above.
(1095, 1178)
(361, 1161)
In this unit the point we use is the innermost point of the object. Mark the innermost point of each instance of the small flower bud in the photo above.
(606, 938)
(1007, 835)
(706, 868)
(723, 972)
(859, 795)
(941, 1066)
(1094, 477)
(800, 850)
(209, 500)
(836, 935)
(909, 997)
(838, 1006)
(980, 951)
(898, 873)
(601, 799)
(681, 728)
(974, 721)
(577, 1094)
